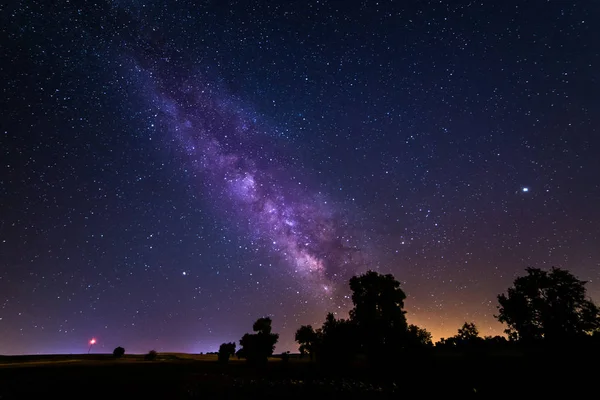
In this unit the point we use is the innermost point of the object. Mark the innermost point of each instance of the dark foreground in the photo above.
(179, 377)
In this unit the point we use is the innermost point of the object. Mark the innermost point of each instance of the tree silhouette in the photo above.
(494, 342)
(418, 337)
(226, 350)
(151, 356)
(257, 347)
(467, 336)
(450, 342)
(240, 354)
(378, 313)
(468, 332)
(118, 352)
(338, 343)
(308, 339)
(377, 298)
(549, 305)
(262, 325)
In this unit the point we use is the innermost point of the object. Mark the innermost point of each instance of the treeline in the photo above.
(543, 309)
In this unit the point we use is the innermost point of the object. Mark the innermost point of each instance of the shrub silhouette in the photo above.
(226, 350)
(151, 356)
(118, 352)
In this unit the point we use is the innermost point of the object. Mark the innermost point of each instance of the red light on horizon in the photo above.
(93, 341)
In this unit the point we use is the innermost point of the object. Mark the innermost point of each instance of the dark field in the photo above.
(190, 377)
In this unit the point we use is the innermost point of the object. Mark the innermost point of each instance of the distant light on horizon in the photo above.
(525, 189)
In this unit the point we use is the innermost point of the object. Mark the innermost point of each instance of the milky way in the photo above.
(245, 175)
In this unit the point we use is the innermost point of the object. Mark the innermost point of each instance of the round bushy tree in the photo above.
(547, 305)
(119, 352)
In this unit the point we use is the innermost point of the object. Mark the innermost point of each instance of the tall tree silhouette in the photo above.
(257, 347)
(307, 338)
(550, 305)
(378, 314)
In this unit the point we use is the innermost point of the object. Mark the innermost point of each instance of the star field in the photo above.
(171, 171)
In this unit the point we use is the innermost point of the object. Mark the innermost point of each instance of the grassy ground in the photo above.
(186, 376)
(27, 360)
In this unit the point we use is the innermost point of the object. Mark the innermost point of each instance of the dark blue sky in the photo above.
(171, 171)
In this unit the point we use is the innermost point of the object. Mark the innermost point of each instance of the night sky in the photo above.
(171, 171)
